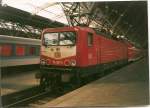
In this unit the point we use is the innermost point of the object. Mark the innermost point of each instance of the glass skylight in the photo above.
(44, 8)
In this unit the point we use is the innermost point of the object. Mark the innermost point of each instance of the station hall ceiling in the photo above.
(128, 18)
(132, 19)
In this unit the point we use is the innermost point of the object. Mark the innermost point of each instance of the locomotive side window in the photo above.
(6, 50)
(20, 50)
(90, 39)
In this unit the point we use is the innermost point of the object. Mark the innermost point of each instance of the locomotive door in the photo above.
(92, 50)
(98, 47)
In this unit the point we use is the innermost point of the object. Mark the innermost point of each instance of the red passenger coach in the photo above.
(15, 51)
(133, 52)
(71, 53)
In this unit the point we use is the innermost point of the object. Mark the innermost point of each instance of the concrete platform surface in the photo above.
(18, 82)
(125, 87)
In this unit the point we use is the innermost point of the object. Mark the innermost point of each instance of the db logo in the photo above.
(57, 54)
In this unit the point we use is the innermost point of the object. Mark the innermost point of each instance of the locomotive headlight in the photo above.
(43, 62)
(72, 62)
(66, 62)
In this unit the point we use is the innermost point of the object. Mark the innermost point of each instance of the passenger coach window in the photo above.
(6, 50)
(20, 50)
(32, 51)
(90, 39)
(38, 50)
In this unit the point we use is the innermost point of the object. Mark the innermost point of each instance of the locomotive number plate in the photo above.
(57, 54)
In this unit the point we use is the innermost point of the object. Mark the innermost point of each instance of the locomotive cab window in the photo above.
(90, 39)
(59, 38)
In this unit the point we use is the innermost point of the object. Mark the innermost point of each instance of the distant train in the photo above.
(17, 51)
(71, 53)
(133, 52)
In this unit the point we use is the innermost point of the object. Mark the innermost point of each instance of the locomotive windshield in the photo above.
(59, 38)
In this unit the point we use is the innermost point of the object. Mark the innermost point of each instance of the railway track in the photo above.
(15, 98)
(35, 96)
(35, 100)
(31, 97)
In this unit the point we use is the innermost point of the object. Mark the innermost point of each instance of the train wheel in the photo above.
(78, 80)
(56, 84)
(46, 84)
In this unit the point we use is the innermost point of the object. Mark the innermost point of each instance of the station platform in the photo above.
(16, 83)
(128, 86)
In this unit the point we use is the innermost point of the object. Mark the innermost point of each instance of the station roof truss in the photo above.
(15, 22)
(124, 18)
(127, 18)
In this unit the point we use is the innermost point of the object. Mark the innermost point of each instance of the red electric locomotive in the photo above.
(71, 53)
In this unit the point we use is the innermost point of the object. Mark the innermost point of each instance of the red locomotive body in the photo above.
(74, 52)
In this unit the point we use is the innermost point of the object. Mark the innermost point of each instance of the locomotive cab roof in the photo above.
(88, 29)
